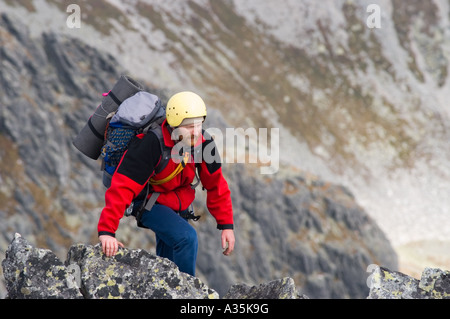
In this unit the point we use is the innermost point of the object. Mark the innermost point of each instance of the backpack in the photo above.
(138, 114)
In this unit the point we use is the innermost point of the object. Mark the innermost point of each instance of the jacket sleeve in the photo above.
(134, 170)
(218, 197)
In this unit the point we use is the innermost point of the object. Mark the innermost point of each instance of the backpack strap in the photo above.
(178, 170)
(152, 200)
(165, 151)
(148, 206)
(194, 186)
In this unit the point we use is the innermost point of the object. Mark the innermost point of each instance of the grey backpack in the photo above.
(138, 114)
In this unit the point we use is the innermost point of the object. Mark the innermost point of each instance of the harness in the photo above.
(148, 204)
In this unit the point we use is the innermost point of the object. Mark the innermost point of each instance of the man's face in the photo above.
(188, 134)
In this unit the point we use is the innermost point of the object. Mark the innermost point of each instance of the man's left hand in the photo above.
(227, 241)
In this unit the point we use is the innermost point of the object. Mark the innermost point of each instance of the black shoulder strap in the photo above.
(165, 151)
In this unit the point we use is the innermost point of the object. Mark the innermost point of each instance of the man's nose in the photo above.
(195, 130)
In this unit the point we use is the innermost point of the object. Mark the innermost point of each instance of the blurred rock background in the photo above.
(362, 113)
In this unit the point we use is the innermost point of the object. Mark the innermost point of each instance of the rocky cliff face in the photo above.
(33, 273)
(292, 224)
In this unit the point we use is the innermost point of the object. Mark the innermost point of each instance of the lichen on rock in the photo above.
(386, 284)
(131, 274)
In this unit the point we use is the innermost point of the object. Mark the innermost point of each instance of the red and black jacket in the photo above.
(138, 166)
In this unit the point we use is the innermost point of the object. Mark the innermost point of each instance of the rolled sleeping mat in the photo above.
(91, 137)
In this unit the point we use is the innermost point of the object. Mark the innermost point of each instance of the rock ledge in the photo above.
(386, 284)
(34, 273)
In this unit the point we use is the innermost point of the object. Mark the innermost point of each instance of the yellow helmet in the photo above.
(184, 105)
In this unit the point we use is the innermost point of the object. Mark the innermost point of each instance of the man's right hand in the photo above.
(110, 245)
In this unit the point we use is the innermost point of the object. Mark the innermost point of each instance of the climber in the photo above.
(176, 239)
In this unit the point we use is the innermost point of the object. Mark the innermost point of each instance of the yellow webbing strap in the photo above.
(173, 174)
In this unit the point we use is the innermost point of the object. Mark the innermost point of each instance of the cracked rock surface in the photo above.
(34, 273)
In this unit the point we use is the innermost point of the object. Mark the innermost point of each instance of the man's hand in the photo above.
(110, 245)
(227, 241)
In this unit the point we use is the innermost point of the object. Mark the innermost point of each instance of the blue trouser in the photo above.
(176, 239)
